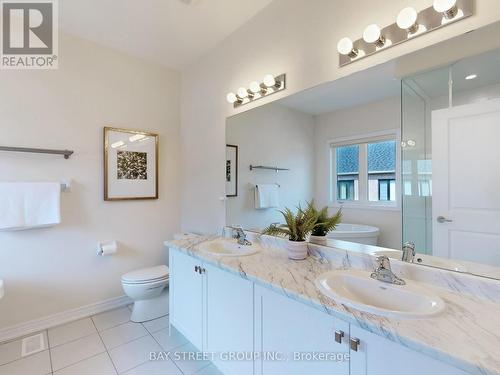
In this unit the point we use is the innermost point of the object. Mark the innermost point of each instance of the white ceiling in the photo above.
(173, 33)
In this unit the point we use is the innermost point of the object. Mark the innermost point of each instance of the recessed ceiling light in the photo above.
(471, 76)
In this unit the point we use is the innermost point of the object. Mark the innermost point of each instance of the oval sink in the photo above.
(425, 260)
(229, 248)
(358, 290)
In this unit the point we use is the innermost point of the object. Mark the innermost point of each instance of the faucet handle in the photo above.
(409, 245)
(383, 262)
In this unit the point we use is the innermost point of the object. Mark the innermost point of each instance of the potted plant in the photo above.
(324, 223)
(298, 226)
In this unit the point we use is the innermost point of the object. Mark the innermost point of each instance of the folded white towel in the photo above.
(266, 196)
(29, 205)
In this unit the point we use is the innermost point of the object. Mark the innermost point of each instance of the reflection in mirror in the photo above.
(335, 146)
(450, 162)
(409, 161)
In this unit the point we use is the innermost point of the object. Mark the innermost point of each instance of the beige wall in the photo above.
(272, 135)
(358, 121)
(52, 270)
(297, 37)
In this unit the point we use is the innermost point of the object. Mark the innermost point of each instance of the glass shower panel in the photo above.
(421, 94)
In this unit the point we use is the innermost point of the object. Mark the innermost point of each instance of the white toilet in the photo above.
(148, 288)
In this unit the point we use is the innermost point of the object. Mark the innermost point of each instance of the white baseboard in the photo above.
(57, 319)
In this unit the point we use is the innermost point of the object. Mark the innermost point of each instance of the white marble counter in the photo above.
(466, 335)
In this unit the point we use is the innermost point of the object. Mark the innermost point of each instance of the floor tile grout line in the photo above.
(73, 340)
(27, 356)
(170, 359)
(105, 348)
(80, 361)
(50, 353)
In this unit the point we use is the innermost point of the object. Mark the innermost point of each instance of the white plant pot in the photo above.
(318, 240)
(297, 250)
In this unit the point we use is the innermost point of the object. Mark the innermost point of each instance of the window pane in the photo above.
(382, 171)
(347, 173)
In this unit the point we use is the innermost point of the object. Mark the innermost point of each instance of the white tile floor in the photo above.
(104, 344)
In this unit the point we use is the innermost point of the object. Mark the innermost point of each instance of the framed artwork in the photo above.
(130, 165)
(231, 171)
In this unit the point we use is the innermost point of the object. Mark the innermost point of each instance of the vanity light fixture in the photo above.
(232, 98)
(270, 85)
(407, 20)
(448, 8)
(373, 34)
(346, 47)
(471, 76)
(410, 23)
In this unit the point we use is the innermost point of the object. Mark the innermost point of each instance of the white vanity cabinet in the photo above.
(222, 313)
(186, 296)
(214, 310)
(290, 333)
(374, 355)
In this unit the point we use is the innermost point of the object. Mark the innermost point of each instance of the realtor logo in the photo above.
(29, 34)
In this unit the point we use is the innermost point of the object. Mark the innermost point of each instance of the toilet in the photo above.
(148, 288)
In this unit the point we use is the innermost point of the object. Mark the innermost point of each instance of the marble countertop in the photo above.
(466, 335)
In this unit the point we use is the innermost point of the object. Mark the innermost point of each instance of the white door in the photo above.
(466, 182)
(229, 321)
(186, 296)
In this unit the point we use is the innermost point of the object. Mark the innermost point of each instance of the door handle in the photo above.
(354, 343)
(338, 336)
(442, 220)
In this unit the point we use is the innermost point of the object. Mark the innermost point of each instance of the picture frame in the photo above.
(130, 164)
(231, 171)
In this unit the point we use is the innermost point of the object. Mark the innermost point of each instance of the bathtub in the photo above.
(356, 233)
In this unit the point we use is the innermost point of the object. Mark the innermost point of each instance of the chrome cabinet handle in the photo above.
(442, 220)
(338, 336)
(354, 343)
(197, 269)
(202, 270)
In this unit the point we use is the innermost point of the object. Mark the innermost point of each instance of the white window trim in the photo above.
(363, 202)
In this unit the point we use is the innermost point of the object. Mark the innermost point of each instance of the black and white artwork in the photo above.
(231, 170)
(130, 164)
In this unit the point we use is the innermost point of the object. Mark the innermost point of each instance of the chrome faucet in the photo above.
(384, 273)
(240, 235)
(408, 252)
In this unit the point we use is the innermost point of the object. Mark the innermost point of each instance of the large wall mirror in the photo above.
(407, 159)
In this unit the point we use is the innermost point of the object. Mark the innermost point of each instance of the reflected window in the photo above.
(347, 159)
(382, 171)
(364, 171)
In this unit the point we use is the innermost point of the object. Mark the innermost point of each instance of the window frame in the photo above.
(363, 140)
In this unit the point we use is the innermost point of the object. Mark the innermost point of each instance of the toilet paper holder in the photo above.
(107, 247)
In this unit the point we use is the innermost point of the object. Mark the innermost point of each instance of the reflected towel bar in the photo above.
(65, 153)
(252, 167)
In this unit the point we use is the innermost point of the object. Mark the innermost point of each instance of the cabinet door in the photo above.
(295, 339)
(229, 320)
(186, 291)
(379, 356)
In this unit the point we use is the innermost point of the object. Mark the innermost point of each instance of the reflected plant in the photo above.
(298, 225)
(324, 223)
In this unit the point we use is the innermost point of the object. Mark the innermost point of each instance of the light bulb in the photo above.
(471, 76)
(269, 80)
(411, 143)
(255, 87)
(447, 7)
(372, 34)
(346, 47)
(407, 20)
(232, 98)
(242, 92)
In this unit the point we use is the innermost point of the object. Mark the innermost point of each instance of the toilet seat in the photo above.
(146, 275)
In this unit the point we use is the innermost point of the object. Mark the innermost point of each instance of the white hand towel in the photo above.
(29, 205)
(266, 196)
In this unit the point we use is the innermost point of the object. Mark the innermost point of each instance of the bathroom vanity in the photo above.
(268, 305)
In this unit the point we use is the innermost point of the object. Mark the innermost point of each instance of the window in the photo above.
(364, 170)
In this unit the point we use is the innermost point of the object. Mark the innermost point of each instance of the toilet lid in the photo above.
(146, 274)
